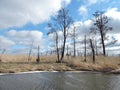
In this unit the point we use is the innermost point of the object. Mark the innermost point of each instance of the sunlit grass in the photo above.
(102, 63)
(19, 63)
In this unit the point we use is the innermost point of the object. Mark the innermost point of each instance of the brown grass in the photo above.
(19, 63)
(104, 64)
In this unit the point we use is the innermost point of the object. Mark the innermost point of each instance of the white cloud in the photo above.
(83, 11)
(21, 41)
(114, 16)
(18, 13)
(26, 37)
(53, 35)
(90, 2)
(5, 42)
(66, 2)
(84, 26)
(117, 37)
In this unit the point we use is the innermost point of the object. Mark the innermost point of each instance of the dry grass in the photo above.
(19, 63)
(104, 64)
(16, 58)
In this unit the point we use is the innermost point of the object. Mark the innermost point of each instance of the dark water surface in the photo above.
(60, 81)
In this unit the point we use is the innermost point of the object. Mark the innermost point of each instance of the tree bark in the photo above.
(102, 41)
(29, 55)
(38, 56)
(85, 49)
(63, 49)
(74, 42)
(93, 51)
(58, 57)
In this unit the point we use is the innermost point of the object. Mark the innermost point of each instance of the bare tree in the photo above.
(85, 49)
(74, 40)
(73, 35)
(53, 30)
(30, 51)
(3, 51)
(93, 50)
(101, 25)
(38, 55)
(68, 54)
(96, 47)
(61, 22)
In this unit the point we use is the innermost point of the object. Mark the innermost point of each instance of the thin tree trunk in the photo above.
(29, 55)
(74, 49)
(58, 57)
(103, 44)
(74, 43)
(102, 36)
(3, 51)
(93, 51)
(85, 49)
(38, 56)
(96, 48)
(63, 50)
(67, 53)
(64, 34)
(63, 47)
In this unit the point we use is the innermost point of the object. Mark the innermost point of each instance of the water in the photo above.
(60, 81)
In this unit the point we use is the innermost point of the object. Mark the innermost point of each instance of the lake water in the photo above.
(60, 81)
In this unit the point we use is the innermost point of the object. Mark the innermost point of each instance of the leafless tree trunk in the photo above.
(68, 52)
(93, 51)
(63, 46)
(57, 48)
(102, 40)
(74, 36)
(62, 23)
(53, 31)
(3, 51)
(74, 41)
(29, 55)
(96, 48)
(85, 49)
(38, 55)
(101, 23)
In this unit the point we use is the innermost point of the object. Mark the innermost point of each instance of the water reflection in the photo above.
(60, 81)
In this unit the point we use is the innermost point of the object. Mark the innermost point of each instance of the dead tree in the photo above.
(61, 22)
(30, 51)
(38, 55)
(3, 51)
(101, 26)
(68, 54)
(53, 31)
(93, 50)
(96, 48)
(74, 33)
(74, 36)
(85, 49)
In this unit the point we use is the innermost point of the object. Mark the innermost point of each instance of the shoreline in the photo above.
(30, 72)
(48, 64)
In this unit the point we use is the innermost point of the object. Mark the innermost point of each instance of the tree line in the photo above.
(63, 22)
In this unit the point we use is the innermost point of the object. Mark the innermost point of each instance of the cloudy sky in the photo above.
(23, 22)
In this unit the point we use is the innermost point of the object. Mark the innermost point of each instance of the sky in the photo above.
(23, 22)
